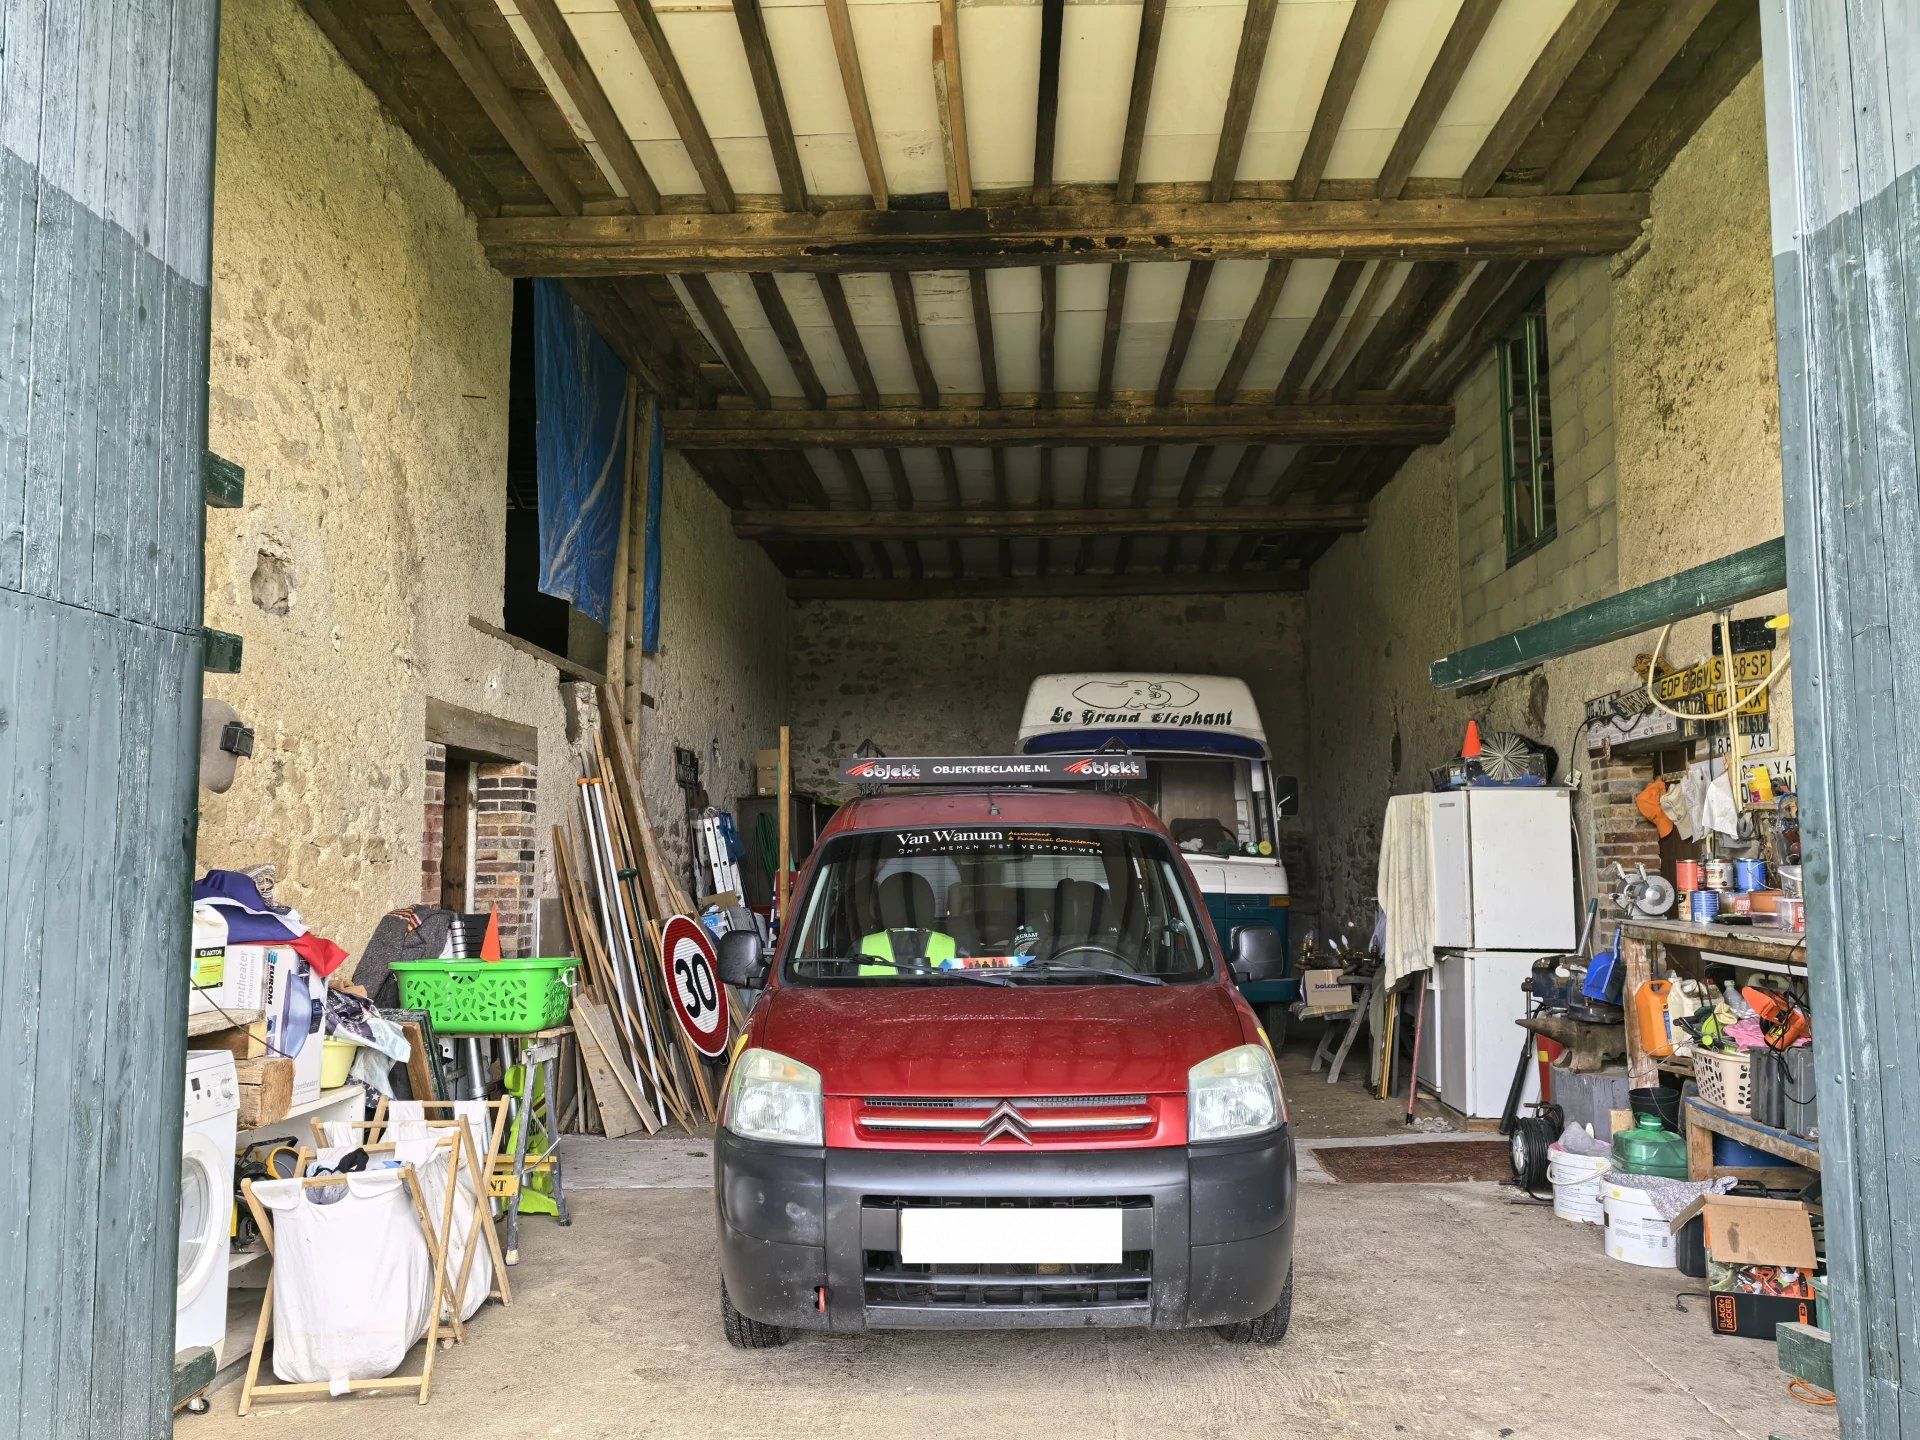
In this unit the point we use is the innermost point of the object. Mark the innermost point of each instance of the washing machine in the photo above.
(206, 1200)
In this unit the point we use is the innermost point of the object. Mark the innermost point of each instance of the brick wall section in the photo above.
(504, 852)
(1581, 563)
(1621, 834)
(433, 823)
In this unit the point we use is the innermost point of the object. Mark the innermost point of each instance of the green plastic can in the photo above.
(1649, 1148)
(489, 997)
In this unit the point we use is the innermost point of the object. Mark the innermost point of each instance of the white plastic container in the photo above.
(1635, 1232)
(1576, 1184)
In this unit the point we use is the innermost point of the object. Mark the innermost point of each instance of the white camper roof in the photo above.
(1145, 710)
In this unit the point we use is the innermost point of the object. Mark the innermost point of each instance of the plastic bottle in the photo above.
(1650, 1003)
(1649, 1148)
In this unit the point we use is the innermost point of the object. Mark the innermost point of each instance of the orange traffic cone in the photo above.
(1470, 747)
(490, 945)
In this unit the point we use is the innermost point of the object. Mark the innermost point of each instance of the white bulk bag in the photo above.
(352, 1277)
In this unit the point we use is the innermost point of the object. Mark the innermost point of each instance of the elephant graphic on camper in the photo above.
(1136, 694)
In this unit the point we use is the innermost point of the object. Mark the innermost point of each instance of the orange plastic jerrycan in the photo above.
(1656, 1029)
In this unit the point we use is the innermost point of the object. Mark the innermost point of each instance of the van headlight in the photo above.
(770, 1097)
(1235, 1093)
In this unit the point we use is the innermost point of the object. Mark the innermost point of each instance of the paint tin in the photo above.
(1791, 914)
(1717, 873)
(1686, 876)
(1749, 874)
(1737, 902)
(1703, 906)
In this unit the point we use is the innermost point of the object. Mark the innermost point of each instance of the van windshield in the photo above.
(1020, 904)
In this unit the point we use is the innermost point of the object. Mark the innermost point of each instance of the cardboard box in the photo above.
(1760, 1263)
(226, 978)
(295, 1002)
(1325, 990)
(766, 772)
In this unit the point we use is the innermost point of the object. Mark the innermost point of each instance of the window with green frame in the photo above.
(1526, 432)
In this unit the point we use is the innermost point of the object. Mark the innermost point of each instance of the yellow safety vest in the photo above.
(880, 946)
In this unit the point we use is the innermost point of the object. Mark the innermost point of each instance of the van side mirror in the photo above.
(743, 960)
(1258, 954)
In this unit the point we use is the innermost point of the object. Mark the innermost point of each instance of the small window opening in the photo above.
(1526, 432)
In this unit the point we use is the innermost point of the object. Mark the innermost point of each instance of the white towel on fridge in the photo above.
(1405, 885)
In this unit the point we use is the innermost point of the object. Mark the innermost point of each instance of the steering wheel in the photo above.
(1095, 946)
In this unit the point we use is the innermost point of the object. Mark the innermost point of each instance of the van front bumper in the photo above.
(808, 1236)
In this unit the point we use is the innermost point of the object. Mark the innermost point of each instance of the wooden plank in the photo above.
(1359, 324)
(1255, 582)
(1256, 29)
(905, 302)
(1130, 520)
(617, 1116)
(1146, 57)
(1293, 381)
(773, 102)
(562, 52)
(983, 337)
(847, 53)
(1752, 942)
(1049, 323)
(1053, 15)
(1252, 330)
(1548, 73)
(1359, 423)
(953, 114)
(569, 668)
(780, 319)
(651, 40)
(449, 31)
(266, 1090)
(1525, 286)
(855, 240)
(841, 314)
(726, 338)
(1114, 318)
(1411, 311)
(487, 736)
(1743, 575)
(1348, 61)
(1430, 351)
(1192, 295)
(1749, 1131)
(1443, 78)
(1626, 90)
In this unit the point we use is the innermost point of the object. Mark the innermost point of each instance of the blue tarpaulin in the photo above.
(581, 440)
(656, 465)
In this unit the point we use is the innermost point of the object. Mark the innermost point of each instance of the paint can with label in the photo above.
(1686, 876)
(1749, 874)
(1737, 902)
(1717, 874)
(1703, 906)
(1791, 914)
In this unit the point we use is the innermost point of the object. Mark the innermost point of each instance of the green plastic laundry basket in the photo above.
(489, 997)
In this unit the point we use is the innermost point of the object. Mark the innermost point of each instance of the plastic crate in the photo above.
(1783, 1090)
(1726, 1081)
(489, 997)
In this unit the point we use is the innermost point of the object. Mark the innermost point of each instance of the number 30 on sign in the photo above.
(693, 980)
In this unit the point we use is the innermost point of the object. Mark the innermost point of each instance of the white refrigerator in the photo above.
(1502, 899)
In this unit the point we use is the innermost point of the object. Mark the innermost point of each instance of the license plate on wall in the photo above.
(990, 1236)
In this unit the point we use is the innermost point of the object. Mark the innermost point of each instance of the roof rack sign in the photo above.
(991, 769)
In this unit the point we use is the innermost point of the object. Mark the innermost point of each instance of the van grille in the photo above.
(1021, 1118)
(890, 1281)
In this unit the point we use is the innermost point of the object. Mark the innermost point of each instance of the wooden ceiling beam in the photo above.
(1452, 330)
(726, 339)
(1527, 282)
(1053, 16)
(1192, 295)
(772, 100)
(1319, 424)
(1255, 31)
(1625, 90)
(1544, 78)
(1048, 587)
(1306, 355)
(443, 22)
(1410, 312)
(1443, 78)
(780, 318)
(990, 524)
(841, 314)
(1252, 330)
(847, 53)
(1348, 61)
(651, 40)
(908, 305)
(1521, 227)
(1146, 59)
(983, 337)
(569, 63)
(1732, 59)
(1359, 322)
(951, 98)
(1115, 316)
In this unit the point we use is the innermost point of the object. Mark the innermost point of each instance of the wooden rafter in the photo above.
(847, 53)
(1333, 303)
(982, 523)
(1730, 63)
(841, 314)
(1355, 41)
(1358, 323)
(1443, 78)
(1627, 89)
(1412, 310)
(1544, 78)
(1115, 317)
(854, 240)
(780, 319)
(570, 65)
(1453, 328)
(443, 22)
(1252, 329)
(1326, 424)
(651, 40)
(1527, 282)
(1255, 31)
(726, 339)
(772, 100)
(1146, 59)
(952, 105)
(1192, 295)
(983, 336)
(1053, 17)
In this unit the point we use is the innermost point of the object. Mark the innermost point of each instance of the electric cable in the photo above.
(1740, 703)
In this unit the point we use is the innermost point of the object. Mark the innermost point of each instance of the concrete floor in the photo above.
(1421, 1310)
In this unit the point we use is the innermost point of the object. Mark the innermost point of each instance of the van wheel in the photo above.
(1267, 1329)
(746, 1333)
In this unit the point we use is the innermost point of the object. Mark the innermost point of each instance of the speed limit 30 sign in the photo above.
(693, 980)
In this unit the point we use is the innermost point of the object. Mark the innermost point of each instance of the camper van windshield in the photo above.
(1205, 802)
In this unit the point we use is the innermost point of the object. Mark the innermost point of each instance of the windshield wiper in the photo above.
(1055, 967)
(917, 969)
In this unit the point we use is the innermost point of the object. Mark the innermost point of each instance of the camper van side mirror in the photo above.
(743, 960)
(1258, 954)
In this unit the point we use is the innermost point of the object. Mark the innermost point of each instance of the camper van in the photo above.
(1209, 779)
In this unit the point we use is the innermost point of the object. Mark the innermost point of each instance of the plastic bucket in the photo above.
(336, 1063)
(1660, 1101)
(1576, 1185)
(1635, 1232)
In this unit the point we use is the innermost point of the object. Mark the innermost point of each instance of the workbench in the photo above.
(1705, 1121)
(1758, 947)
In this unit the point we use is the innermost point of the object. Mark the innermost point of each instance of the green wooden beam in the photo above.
(1741, 576)
(223, 653)
(226, 482)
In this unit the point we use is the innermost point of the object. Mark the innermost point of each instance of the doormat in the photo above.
(1440, 1162)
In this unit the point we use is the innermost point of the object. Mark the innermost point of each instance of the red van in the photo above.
(1001, 1077)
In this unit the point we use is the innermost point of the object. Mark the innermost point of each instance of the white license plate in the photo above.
(983, 1236)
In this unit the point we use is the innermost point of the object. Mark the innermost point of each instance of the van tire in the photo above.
(1267, 1329)
(746, 1333)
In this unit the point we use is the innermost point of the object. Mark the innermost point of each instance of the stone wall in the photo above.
(1695, 466)
(951, 676)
